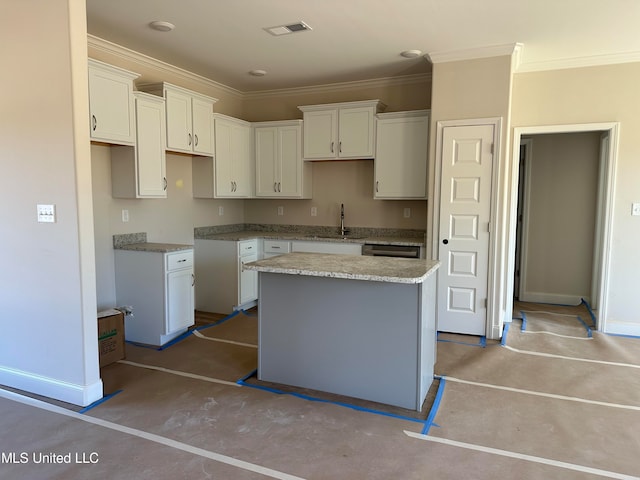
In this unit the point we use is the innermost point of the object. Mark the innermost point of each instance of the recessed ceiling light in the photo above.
(258, 73)
(162, 26)
(411, 53)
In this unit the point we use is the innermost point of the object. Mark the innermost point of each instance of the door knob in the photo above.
(445, 241)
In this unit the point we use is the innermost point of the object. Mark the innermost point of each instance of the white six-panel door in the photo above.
(465, 213)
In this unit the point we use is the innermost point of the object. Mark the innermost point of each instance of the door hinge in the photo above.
(492, 148)
(489, 227)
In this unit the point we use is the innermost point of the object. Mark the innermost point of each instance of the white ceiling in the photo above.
(355, 40)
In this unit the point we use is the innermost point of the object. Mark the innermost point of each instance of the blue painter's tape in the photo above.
(222, 320)
(321, 400)
(481, 343)
(179, 338)
(584, 324)
(623, 335)
(524, 321)
(98, 402)
(591, 314)
(143, 345)
(248, 375)
(505, 331)
(434, 408)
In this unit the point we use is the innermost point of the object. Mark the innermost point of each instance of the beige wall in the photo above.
(560, 220)
(588, 95)
(47, 284)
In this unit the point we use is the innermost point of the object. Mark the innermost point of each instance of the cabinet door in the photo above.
(290, 161)
(150, 146)
(223, 158)
(179, 126)
(266, 150)
(356, 137)
(320, 134)
(112, 107)
(201, 123)
(248, 288)
(180, 300)
(241, 160)
(401, 158)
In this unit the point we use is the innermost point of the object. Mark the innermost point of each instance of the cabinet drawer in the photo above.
(180, 260)
(277, 246)
(247, 247)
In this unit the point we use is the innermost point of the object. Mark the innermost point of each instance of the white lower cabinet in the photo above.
(160, 289)
(326, 247)
(223, 285)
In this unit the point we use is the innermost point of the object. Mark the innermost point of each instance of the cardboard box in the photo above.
(110, 336)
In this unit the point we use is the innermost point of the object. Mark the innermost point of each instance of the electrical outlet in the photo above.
(125, 215)
(635, 209)
(280, 210)
(314, 211)
(46, 213)
(220, 210)
(407, 213)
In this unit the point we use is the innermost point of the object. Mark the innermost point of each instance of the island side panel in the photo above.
(428, 344)
(351, 337)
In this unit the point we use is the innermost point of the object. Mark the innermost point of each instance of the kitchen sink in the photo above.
(339, 237)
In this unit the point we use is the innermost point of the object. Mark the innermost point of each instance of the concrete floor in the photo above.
(538, 406)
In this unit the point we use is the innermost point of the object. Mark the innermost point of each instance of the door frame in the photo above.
(606, 203)
(493, 273)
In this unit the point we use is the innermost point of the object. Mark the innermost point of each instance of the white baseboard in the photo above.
(553, 298)
(623, 328)
(82, 395)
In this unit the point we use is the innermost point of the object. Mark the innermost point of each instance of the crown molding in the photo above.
(474, 53)
(332, 87)
(110, 48)
(579, 62)
(124, 53)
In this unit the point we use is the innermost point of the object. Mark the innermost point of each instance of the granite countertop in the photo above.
(359, 239)
(155, 247)
(354, 267)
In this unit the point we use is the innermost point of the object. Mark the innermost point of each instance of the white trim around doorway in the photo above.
(607, 193)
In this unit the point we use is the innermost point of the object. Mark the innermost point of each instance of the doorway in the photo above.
(557, 211)
(603, 213)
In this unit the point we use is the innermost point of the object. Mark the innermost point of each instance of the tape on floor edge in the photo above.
(524, 321)
(505, 331)
(99, 402)
(302, 396)
(591, 312)
(587, 328)
(521, 456)
(434, 408)
(218, 322)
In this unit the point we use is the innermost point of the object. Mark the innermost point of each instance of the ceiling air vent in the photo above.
(286, 29)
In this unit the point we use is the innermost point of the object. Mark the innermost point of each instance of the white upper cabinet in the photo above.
(229, 173)
(340, 130)
(111, 104)
(140, 171)
(280, 170)
(400, 165)
(188, 118)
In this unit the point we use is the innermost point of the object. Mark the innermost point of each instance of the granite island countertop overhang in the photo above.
(353, 267)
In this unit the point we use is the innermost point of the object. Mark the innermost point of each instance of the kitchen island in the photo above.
(352, 325)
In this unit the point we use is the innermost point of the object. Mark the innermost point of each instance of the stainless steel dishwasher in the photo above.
(403, 251)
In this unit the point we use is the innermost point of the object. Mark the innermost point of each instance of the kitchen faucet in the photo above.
(343, 231)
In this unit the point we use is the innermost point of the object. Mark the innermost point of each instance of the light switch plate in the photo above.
(46, 213)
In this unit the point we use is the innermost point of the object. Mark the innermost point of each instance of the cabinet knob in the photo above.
(164, 179)
(189, 139)
(377, 185)
(340, 147)
(332, 147)
(195, 137)
(94, 122)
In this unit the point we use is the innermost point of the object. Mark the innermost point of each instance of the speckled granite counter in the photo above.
(138, 242)
(155, 247)
(354, 267)
(357, 235)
